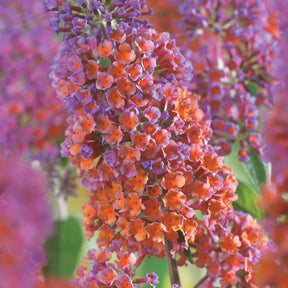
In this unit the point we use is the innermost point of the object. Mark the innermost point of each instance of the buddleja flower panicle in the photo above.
(30, 118)
(233, 46)
(140, 142)
(272, 269)
(25, 222)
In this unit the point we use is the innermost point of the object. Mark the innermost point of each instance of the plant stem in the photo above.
(172, 265)
(200, 282)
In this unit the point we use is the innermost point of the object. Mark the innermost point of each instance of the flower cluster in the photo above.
(164, 16)
(25, 223)
(232, 45)
(31, 117)
(272, 270)
(140, 142)
(117, 274)
(100, 18)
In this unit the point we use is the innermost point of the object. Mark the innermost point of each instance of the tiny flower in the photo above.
(125, 54)
(105, 48)
(104, 81)
(128, 121)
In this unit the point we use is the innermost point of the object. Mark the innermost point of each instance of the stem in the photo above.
(61, 200)
(200, 282)
(172, 265)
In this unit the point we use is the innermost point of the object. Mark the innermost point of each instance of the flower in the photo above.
(231, 47)
(31, 117)
(26, 222)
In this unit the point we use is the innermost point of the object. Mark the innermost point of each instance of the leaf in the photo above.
(157, 266)
(104, 62)
(255, 170)
(250, 176)
(186, 252)
(253, 87)
(248, 201)
(251, 173)
(63, 248)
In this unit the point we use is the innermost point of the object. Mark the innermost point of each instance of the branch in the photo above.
(172, 265)
(201, 281)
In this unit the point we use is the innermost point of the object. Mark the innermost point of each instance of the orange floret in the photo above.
(128, 121)
(125, 53)
(134, 71)
(86, 124)
(189, 229)
(125, 86)
(86, 164)
(107, 276)
(195, 152)
(129, 154)
(91, 68)
(151, 149)
(117, 70)
(201, 190)
(228, 278)
(105, 48)
(102, 255)
(140, 140)
(152, 210)
(183, 105)
(172, 221)
(212, 162)
(123, 224)
(215, 207)
(88, 212)
(102, 123)
(162, 137)
(215, 75)
(139, 181)
(133, 204)
(115, 99)
(75, 149)
(136, 228)
(104, 81)
(230, 243)
(105, 235)
(107, 213)
(125, 258)
(156, 231)
(114, 135)
(173, 180)
(203, 259)
(154, 191)
(174, 199)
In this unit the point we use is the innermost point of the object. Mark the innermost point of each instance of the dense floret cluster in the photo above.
(232, 44)
(140, 142)
(25, 223)
(30, 115)
(272, 270)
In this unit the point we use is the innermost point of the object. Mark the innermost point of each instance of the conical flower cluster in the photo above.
(141, 145)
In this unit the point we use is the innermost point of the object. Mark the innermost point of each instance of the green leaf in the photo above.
(104, 62)
(157, 266)
(63, 248)
(250, 176)
(253, 87)
(248, 201)
(255, 170)
(251, 173)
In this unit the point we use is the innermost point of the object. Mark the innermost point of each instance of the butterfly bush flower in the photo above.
(140, 142)
(31, 117)
(272, 269)
(231, 44)
(25, 223)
